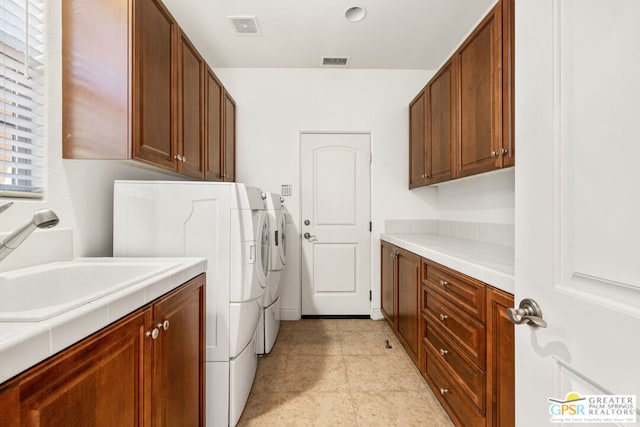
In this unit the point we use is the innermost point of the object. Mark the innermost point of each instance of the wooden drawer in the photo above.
(455, 401)
(464, 292)
(466, 332)
(470, 379)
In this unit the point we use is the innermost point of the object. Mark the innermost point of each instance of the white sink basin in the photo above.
(39, 293)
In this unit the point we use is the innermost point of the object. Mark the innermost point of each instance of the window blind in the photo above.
(22, 79)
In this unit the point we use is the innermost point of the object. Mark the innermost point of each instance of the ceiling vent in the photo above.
(245, 25)
(335, 61)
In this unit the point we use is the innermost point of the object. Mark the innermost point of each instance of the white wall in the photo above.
(79, 191)
(275, 105)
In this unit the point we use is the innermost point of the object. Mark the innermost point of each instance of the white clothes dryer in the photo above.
(269, 324)
(226, 223)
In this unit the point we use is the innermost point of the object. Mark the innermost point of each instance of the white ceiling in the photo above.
(396, 34)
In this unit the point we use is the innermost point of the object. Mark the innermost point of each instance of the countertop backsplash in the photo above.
(41, 247)
(497, 234)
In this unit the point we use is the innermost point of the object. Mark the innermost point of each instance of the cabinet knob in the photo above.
(443, 352)
(503, 151)
(444, 391)
(494, 154)
(153, 334)
(178, 157)
(443, 317)
(443, 283)
(164, 325)
(184, 159)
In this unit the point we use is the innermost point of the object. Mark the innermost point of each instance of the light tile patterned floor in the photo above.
(339, 373)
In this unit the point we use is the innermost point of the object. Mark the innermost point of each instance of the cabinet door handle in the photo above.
(153, 334)
(443, 317)
(444, 391)
(443, 283)
(164, 325)
(443, 352)
(494, 154)
(503, 151)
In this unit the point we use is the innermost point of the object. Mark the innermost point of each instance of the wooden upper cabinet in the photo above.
(134, 87)
(508, 83)
(469, 107)
(480, 81)
(213, 125)
(191, 160)
(95, 79)
(417, 169)
(155, 76)
(229, 140)
(441, 132)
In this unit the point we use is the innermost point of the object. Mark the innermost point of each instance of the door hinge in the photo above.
(370, 226)
(370, 157)
(370, 297)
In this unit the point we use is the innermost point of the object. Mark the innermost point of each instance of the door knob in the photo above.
(528, 312)
(310, 237)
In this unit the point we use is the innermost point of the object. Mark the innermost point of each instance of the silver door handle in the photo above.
(310, 237)
(529, 312)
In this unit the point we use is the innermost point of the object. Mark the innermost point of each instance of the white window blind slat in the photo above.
(22, 68)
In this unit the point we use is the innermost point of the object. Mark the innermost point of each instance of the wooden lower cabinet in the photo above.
(500, 360)
(121, 375)
(465, 344)
(388, 266)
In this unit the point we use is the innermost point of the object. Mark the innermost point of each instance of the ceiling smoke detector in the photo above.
(245, 25)
(335, 61)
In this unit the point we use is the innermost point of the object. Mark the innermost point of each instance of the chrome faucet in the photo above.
(44, 218)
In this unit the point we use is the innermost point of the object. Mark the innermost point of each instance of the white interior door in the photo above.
(577, 203)
(335, 207)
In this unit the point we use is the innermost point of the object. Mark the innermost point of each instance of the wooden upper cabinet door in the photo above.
(480, 77)
(98, 382)
(154, 119)
(229, 156)
(508, 87)
(95, 79)
(191, 107)
(178, 365)
(408, 306)
(213, 122)
(441, 129)
(417, 170)
(388, 280)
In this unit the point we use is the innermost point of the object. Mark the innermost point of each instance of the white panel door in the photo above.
(335, 194)
(577, 204)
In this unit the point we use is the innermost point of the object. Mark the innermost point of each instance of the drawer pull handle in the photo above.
(443, 283)
(444, 391)
(443, 352)
(443, 317)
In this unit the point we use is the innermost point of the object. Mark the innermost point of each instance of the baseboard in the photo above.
(336, 316)
(289, 313)
(376, 314)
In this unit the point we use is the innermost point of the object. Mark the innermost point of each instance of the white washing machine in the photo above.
(227, 223)
(269, 324)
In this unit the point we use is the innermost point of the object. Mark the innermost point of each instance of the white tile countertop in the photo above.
(24, 344)
(487, 262)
